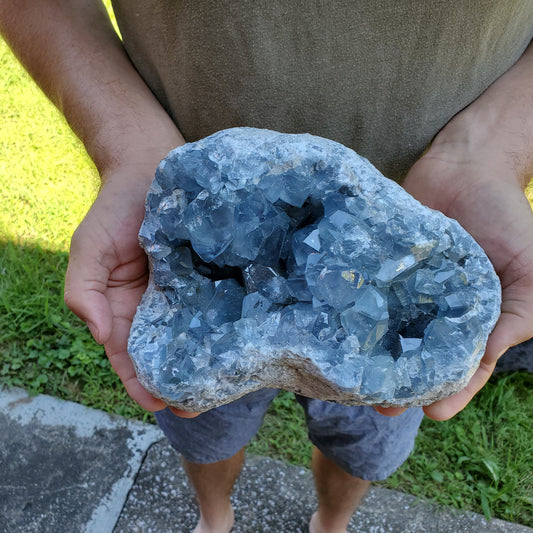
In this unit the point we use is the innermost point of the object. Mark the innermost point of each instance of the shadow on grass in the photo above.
(44, 347)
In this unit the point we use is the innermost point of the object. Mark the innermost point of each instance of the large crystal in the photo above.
(289, 261)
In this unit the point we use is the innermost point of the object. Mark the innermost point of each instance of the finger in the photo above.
(85, 285)
(116, 349)
(510, 330)
(183, 414)
(141, 396)
(513, 327)
(390, 411)
(449, 407)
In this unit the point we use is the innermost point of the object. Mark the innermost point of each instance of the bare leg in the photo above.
(338, 493)
(213, 483)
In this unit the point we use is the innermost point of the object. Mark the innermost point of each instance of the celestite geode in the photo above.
(289, 261)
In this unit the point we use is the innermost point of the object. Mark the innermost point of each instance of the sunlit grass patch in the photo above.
(47, 182)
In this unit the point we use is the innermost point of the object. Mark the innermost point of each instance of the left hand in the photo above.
(475, 172)
(477, 188)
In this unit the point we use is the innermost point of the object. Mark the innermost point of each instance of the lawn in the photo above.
(480, 460)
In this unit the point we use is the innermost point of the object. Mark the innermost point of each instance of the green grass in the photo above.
(43, 346)
(283, 434)
(480, 460)
(46, 178)
(483, 458)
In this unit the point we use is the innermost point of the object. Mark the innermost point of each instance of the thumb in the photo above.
(85, 287)
(515, 324)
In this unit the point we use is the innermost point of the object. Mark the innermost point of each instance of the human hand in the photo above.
(475, 171)
(479, 188)
(107, 272)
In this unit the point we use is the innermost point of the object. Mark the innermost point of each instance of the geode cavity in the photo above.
(289, 261)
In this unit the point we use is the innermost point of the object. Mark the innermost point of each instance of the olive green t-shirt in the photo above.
(380, 76)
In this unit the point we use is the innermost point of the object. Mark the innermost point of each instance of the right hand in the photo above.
(108, 272)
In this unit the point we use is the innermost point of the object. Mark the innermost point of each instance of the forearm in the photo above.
(497, 126)
(71, 50)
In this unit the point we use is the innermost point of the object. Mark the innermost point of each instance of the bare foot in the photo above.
(223, 525)
(315, 526)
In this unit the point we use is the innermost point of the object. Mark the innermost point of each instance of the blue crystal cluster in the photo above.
(289, 261)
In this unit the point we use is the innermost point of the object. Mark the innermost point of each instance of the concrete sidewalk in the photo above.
(66, 469)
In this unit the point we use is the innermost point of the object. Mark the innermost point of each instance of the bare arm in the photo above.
(72, 51)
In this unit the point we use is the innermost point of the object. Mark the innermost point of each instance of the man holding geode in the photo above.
(384, 78)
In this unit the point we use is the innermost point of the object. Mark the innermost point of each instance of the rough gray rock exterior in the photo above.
(289, 261)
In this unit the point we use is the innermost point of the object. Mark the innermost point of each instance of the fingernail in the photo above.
(94, 330)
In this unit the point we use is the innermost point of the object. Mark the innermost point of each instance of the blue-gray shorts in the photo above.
(361, 441)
